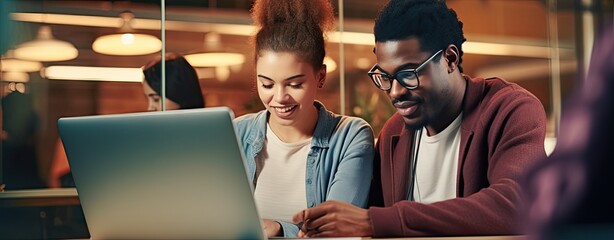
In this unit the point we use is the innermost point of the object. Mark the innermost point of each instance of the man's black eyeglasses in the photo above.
(408, 78)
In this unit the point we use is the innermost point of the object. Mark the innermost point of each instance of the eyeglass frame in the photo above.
(393, 76)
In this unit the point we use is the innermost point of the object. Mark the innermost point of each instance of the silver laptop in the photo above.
(161, 175)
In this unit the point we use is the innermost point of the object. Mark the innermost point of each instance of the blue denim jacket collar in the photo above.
(321, 136)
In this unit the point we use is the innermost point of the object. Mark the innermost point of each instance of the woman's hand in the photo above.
(272, 228)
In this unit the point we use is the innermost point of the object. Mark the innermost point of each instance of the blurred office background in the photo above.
(542, 45)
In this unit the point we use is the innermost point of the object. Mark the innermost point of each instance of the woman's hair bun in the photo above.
(295, 12)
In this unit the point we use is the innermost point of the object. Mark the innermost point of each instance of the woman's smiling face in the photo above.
(287, 86)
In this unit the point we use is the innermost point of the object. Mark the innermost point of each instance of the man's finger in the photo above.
(327, 227)
(299, 217)
(310, 213)
(324, 230)
(303, 226)
(319, 222)
(312, 232)
(321, 234)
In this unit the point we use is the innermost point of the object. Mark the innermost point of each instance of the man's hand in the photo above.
(334, 219)
(271, 228)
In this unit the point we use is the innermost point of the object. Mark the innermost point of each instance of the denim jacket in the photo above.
(339, 164)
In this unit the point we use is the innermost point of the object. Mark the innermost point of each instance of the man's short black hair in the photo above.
(431, 21)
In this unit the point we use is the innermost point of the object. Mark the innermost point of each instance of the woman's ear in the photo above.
(452, 56)
(322, 76)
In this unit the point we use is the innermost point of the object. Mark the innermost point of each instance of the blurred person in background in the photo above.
(19, 165)
(570, 194)
(19, 125)
(182, 87)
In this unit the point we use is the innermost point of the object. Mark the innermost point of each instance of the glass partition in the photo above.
(73, 77)
(52, 67)
(510, 45)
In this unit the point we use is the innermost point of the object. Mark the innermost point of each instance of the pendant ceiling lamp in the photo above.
(9, 63)
(16, 77)
(212, 54)
(45, 48)
(126, 42)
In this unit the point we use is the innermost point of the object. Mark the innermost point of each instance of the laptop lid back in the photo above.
(161, 175)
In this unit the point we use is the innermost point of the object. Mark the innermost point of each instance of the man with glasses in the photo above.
(450, 160)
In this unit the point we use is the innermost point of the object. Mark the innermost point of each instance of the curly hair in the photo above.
(296, 26)
(431, 21)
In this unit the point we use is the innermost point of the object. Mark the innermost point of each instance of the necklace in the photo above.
(414, 161)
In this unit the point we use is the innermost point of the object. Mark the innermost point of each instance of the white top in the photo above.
(437, 164)
(280, 188)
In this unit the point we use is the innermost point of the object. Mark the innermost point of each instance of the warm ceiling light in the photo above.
(500, 49)
(222, 73)
(45, 48)
(16, 65)
(15, 77)
(214, 59)
(213, 55)
(16, 86)
(331, 65)
(507, 48)
(363, 63)
(11, 64)
(81, 73)
(127, 43)
(352, 38)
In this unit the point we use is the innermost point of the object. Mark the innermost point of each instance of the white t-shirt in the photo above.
(280, 187)
(437, 164)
